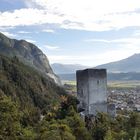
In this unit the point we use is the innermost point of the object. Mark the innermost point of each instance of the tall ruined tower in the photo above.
(92, 90)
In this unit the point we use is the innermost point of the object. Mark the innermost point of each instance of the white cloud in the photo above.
(49, 47)
(6, 28)
(125, 48)
(48, 31)
(94, 59)
(23, 32)
(30, 40)
(136, 33)
(92, 15)
(69, 59)
(99, 40)
(133, 42)
(9, 34)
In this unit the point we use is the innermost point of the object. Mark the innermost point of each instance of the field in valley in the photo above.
(110, 84)
(124, 84)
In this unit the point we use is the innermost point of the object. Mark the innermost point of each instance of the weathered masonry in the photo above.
(92, 90)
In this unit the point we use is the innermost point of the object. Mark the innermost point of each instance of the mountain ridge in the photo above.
(129, 64)
(66, 68)
(28, 53)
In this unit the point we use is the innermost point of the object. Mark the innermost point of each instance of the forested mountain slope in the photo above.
(26, 84)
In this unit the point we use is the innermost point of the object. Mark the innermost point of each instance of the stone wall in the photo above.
(92, 90)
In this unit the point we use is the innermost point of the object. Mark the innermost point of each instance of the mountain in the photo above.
(110, 76)
(26, 85)
(130, 64)
(28, 53)
(25, 96)
(66, 68)
(126, 69)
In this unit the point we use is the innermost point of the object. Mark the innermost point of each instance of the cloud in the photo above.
(94, 15)
(89, 15)
(136, 33)
(48, 31)
(99, 40)
(133, 42)
(88, 59)
(93, 59)
(23, 32)
(49, 47)
(68, 59)
(30, 40)
(29, 3)
(9, 34)
(125, 48)
(6, 28)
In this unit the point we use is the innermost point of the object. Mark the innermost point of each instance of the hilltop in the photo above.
(27, 53)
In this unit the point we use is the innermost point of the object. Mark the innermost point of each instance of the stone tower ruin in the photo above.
(92, 90)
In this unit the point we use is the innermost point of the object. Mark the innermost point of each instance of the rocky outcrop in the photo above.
(29, 54)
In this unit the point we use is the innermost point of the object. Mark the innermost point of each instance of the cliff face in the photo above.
(28, 53)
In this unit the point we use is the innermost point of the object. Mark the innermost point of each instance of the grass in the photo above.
(124, 84)
(112, 84)
(70, 86)
(69, 82)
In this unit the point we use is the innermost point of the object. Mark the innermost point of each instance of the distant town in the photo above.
(125, 98)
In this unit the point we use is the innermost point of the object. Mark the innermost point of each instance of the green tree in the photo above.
(10, 127)
(55, 130)
(10, 121)
(77, 125)
(133, 126)
(109, 135)
(100, 126)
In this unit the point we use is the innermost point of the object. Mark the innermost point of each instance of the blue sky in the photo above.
(87, 32)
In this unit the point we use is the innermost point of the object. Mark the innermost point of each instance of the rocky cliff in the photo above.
(28, 53)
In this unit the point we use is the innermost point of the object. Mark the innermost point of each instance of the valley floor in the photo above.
(124, 94)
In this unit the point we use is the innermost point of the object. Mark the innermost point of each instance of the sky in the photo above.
(86, 32)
